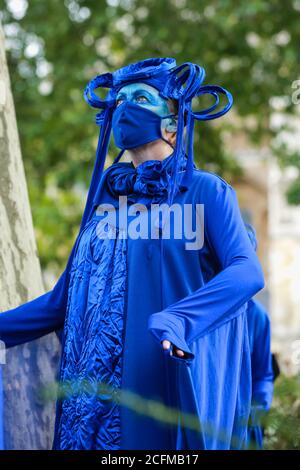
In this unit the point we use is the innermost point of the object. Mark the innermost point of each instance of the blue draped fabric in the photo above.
(1, 411)
(262, 371)
(94, 341)
(125, 296)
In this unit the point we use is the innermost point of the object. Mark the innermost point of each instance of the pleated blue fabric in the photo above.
(94, 341)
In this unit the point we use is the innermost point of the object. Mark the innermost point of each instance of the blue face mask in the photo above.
(134, 125)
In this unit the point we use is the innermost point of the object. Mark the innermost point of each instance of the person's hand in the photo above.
(166, 345)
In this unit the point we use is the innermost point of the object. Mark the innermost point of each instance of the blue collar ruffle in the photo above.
(147, 183)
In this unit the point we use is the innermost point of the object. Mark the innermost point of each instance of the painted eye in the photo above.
(142, 99)
(119, 100)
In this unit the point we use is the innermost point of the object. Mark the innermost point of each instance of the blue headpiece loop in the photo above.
(183, 83)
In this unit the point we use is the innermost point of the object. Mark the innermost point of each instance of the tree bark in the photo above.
(28, 420)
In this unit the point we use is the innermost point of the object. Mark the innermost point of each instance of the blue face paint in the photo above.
(147, 96)
(137, 119)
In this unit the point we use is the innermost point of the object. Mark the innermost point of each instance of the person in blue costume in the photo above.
(259, 326)
(159, 321)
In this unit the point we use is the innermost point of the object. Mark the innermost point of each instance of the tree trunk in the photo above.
(28, 421)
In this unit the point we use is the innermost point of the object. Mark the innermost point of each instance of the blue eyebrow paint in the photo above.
(134, 91)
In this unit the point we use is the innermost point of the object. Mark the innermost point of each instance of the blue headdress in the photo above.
(183, 83)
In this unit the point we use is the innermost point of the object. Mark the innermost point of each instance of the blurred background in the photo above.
(54, 47)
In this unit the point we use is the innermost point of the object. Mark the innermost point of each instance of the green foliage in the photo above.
(56, 47)
(290, 158)
(283, 421)
(58, 215)
(293, 193)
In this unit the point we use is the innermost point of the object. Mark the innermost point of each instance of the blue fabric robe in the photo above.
(197, 299)
(261, 366)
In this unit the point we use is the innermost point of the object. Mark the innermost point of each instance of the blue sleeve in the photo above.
(35, 318)
(261, 359)
(239, 278)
